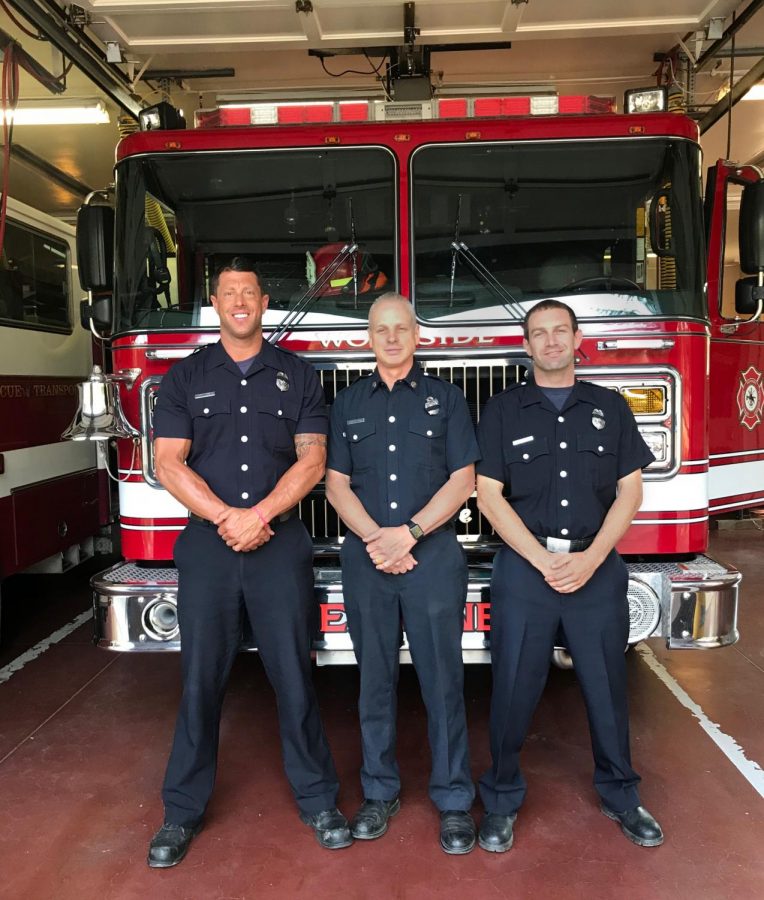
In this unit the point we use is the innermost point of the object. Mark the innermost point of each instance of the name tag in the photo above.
(202, 396)
(356, 421)
(525, 440)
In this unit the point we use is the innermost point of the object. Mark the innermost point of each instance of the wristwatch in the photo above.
(414, 530)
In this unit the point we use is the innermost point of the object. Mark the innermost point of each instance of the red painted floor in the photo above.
(84, 737)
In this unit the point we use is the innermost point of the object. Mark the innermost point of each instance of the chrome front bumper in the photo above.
(691, 605)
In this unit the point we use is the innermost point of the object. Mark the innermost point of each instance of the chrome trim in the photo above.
(147, 394)
(704, 614)
(635, 344)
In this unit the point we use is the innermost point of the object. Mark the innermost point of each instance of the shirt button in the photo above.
(526, 456)
(391, 448)
(560, 418)
(393, 505)
(280, 413)
(245, 495)
(244, 467)
(244, 439)
(563, 531)
(600, 449)
(563, 502)
(355, 437)
(393, 477)
(244, 381)
(206, 410)
(563, 445)
(243, 409)
(391, 418)
(563, 474)
(429, 433)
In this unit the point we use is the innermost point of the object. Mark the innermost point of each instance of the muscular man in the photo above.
(560, 481)
(401, 455)
(240, 439)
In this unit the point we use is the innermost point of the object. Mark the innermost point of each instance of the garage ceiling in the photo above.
(591, 46)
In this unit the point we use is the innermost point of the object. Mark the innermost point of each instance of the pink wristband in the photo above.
(261, 517)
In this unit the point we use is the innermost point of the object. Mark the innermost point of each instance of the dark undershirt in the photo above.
(558, 396)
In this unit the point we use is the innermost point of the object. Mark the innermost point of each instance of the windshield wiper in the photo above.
(293, 318)
(461, 250)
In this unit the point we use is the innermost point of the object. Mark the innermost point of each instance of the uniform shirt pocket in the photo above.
(211, 423)
(427, 444)
(528, 466)
(360, 437)
(597, 453)
(278, 419)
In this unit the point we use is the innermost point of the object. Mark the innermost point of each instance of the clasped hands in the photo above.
(390, 549)
(567, 572)
(242, 529)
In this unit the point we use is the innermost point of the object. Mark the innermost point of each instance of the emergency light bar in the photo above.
(327, 111)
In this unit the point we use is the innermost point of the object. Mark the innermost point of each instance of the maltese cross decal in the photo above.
(750, 398)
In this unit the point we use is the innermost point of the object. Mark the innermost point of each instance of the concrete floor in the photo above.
(84, 737)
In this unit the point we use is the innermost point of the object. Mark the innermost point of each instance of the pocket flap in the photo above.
(599, 444)
(525, 453)
(359, 430)
(209, 406)
(428, 426)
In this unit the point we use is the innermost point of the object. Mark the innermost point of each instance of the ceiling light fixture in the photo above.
(78, 112)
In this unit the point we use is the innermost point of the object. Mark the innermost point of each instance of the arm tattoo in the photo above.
(303, 441)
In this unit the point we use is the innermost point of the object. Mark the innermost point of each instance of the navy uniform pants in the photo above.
(274, 584)
(430, 601)
(525, 616)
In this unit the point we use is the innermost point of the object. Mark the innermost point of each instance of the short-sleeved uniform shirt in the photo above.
(400, 446)
(241, 427)
(560, 468)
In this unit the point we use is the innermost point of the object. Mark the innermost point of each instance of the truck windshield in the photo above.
(181, 215)
(612, 227)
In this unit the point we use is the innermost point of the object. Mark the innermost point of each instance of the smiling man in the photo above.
(240, 438)
(560, 481)
(401, 463)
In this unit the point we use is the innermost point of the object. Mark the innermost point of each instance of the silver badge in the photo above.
(432, 406)
(598, 419)
(282, 381)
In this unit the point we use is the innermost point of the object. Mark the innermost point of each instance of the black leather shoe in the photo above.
(371, 819)
(457, 831)
(496, 832)
(170, 844)
(330, 827)
(638, 826)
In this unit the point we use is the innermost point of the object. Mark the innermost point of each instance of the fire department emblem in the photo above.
(750, 397)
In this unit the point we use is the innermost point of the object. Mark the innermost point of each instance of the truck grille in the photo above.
(478, 379)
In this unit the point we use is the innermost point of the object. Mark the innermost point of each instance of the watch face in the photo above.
(416, 531)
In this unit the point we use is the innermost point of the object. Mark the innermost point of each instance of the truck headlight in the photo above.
(658, 442)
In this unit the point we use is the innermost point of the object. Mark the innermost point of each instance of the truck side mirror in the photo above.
(95, 247)
(751, 229)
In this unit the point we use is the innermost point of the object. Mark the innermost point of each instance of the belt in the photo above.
(563, 545)
(282, 517)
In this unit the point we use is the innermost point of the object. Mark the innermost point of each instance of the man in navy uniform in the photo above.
(240, 438)
(401, 463)
(560, 481)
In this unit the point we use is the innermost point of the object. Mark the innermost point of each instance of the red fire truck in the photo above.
(475, 209)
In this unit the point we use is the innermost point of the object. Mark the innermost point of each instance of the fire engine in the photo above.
(52, 494)
(475, 209)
